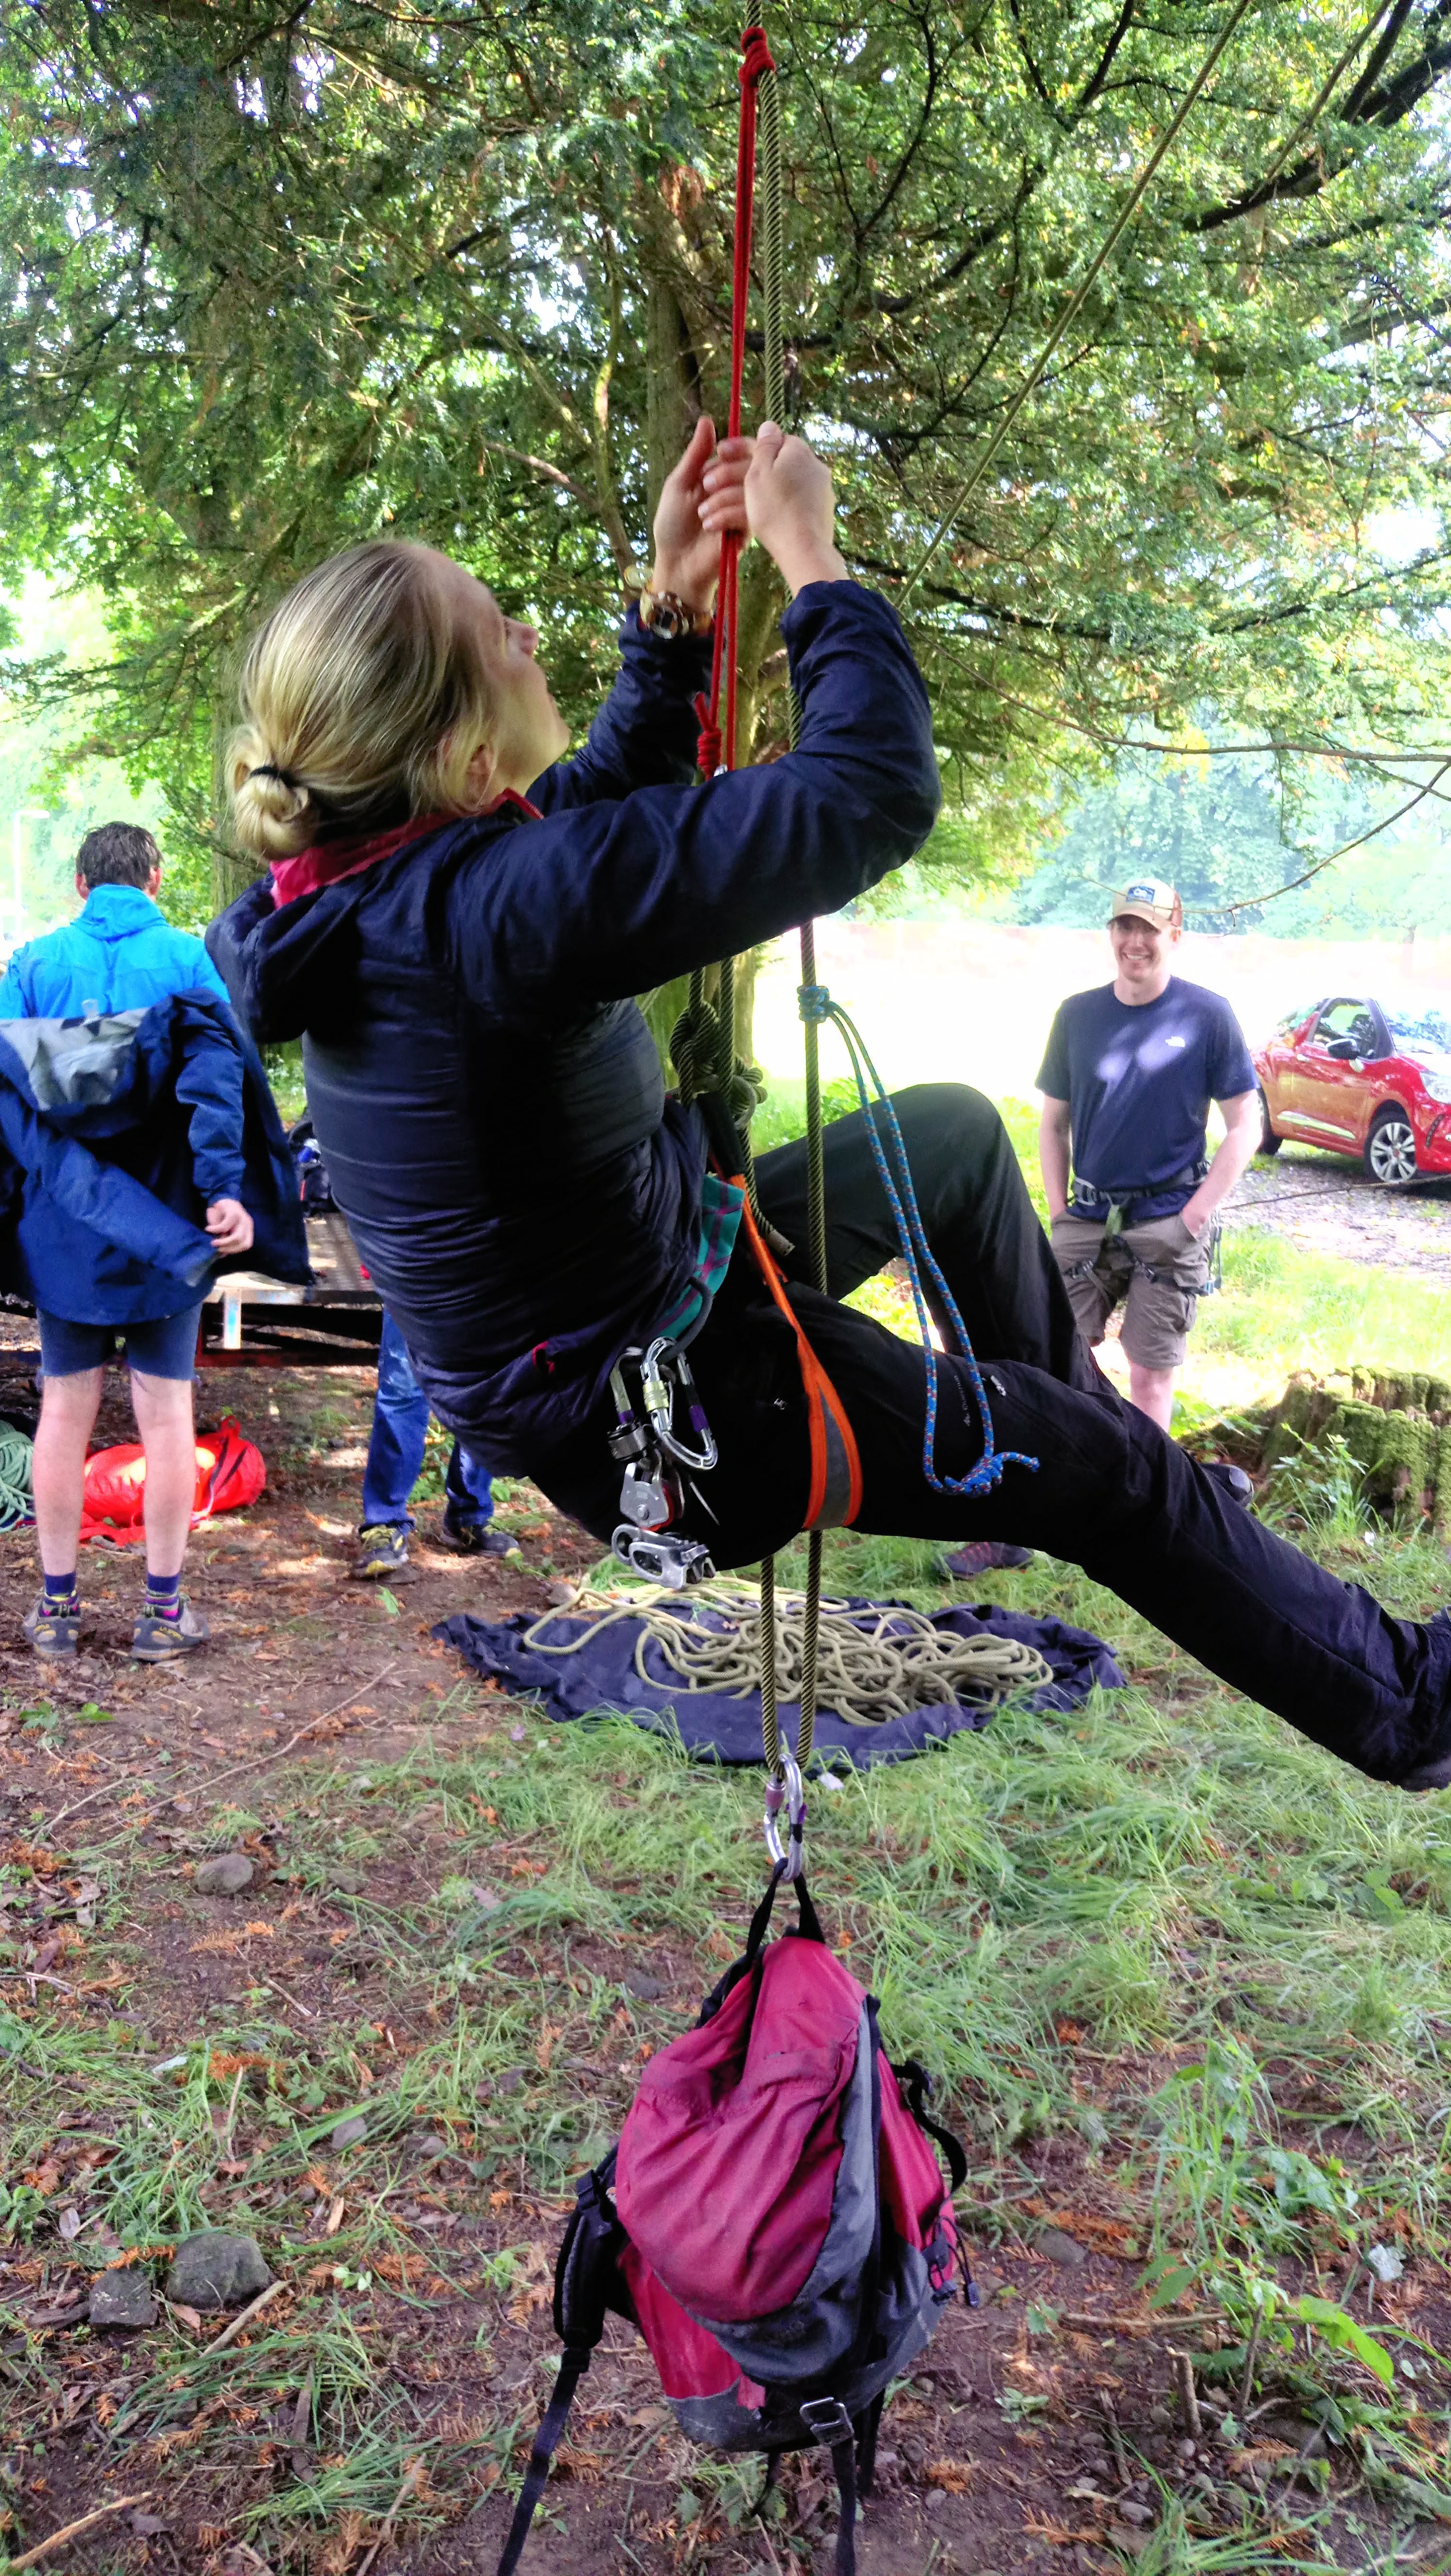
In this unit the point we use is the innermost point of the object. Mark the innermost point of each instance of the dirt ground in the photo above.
(1325, 1203)
(1028, 2438)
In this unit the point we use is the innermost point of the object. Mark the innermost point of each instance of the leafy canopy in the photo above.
(274, 283)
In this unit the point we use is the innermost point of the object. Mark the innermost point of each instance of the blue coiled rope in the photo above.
(817, 1006)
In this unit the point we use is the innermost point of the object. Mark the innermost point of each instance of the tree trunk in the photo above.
(672, 384)
(232, 870)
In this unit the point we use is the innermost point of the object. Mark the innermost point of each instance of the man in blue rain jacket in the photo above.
(127, 1093)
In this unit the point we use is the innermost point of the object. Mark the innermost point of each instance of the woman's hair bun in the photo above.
(272, 810)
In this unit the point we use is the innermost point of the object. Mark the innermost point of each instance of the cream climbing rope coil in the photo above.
(872, 1664)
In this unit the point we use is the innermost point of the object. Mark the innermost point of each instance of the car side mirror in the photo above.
(1344, 1050)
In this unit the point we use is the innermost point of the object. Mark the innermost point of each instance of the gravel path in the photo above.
(1328, 1205)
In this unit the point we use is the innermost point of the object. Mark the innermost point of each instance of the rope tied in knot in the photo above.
(756, 56)
(694, 1043)
(814, 1003)
(745, 1094)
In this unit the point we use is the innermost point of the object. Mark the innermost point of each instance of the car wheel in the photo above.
(1269, 1142)
(1390, 1148)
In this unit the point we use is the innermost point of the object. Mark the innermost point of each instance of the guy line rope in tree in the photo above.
(703, 1041)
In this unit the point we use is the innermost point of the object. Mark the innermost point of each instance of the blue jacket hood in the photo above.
(119, 912)
(119, 954)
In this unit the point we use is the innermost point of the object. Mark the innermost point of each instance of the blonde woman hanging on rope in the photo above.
(454, 922)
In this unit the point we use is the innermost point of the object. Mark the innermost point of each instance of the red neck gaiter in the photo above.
(327, 862)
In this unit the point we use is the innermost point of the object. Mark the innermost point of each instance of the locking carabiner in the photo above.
(658, 1399)
(788, 1792)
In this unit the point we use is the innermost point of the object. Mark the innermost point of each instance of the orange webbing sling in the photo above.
(834, 1497)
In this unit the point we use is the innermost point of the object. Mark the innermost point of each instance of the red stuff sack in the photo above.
(231, 1473)
(773, 2221)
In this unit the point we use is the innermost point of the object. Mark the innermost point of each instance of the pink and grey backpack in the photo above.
(773, 2221)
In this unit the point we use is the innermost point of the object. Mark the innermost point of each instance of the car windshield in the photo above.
(1420, 1029)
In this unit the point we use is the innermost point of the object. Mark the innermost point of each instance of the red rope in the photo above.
(717, 743)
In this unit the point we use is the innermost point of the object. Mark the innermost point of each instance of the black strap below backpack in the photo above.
(843, 2461)
(586, 2286)
(574, 2362)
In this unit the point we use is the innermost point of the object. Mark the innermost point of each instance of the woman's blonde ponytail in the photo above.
(363, 703)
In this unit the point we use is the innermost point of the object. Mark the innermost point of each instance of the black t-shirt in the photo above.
(1138, 1078)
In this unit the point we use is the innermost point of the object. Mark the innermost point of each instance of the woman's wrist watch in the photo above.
(665, 613)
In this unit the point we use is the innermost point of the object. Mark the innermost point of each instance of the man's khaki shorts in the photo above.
(1156, 1271)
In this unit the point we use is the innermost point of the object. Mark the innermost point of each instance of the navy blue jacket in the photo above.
(116, 1135)
(485, 1092)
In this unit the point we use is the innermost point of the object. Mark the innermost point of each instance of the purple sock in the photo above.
(59, 1588)
(163, 1595)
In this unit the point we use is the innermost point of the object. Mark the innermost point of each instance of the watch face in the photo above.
(668, 616)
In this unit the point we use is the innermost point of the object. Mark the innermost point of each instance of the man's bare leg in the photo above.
(1152, 1390)
(167, 1627)
(163, 1410)
(68, 1409)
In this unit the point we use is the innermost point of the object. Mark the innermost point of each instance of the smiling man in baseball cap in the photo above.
(1130, 1070)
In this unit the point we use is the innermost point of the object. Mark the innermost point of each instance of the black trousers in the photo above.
(1109, 1492)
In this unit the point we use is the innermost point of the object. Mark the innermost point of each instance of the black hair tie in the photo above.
(269, 769)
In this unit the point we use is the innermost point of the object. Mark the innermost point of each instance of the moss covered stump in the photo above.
(1397, 1428)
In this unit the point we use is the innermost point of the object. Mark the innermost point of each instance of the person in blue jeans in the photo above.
(395, 1461)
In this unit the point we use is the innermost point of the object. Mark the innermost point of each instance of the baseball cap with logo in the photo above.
(1147, 900)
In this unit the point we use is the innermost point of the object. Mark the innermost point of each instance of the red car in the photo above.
(1362, 1077)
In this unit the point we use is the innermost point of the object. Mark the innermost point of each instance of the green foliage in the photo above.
(1214, 826)
(1228, 825)
(52, 791)
(275, 284)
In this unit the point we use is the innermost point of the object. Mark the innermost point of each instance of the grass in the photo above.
(1162, 1937)
(1285, 1308)
(1185, 1982)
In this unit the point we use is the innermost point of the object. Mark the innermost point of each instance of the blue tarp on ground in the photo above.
(602, 1677)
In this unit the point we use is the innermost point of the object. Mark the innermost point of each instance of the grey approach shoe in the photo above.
(155, 1640)
(54, 1634)
(383, 1554)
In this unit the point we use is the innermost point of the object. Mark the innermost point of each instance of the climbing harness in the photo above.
(875, 1663)
(1118, 1217)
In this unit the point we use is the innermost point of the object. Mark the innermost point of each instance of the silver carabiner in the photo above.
(788, 1792)
(655, 1393)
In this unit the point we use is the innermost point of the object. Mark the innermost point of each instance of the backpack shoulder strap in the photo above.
(843, 2461)
(585, 2285)
(573, 2365)
(917, 2086)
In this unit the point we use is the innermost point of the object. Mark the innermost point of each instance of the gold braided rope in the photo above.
(872, 1665)
(771, 261)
